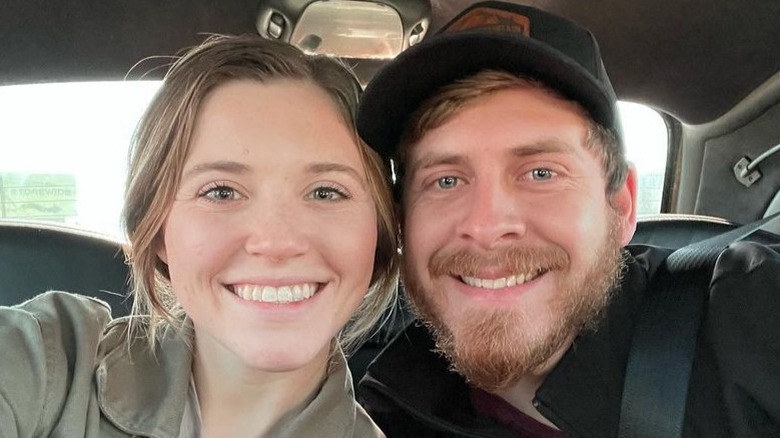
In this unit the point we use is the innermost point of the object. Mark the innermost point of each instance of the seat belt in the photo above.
(659, 365)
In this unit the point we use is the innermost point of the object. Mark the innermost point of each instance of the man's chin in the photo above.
(494, 350)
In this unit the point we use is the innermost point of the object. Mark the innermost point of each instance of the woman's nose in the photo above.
(275, 232)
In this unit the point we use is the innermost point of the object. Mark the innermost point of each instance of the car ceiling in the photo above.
(692, 59)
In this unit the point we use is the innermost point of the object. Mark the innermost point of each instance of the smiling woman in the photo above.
(247, 288)
(247, 225)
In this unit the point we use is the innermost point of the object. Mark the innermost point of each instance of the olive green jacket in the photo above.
(66, 371)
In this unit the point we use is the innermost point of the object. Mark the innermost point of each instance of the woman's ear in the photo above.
(161, 251)
(624, 203)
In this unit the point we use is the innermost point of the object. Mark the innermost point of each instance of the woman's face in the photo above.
(270, 239)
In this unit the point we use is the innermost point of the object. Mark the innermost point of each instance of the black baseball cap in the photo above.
(491, 35)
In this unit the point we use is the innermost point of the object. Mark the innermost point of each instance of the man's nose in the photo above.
(493, 215)
(275, 232)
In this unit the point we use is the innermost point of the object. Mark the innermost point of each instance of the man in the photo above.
(517, 203)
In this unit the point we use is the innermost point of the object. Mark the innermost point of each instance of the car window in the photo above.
(64, 149)
(647, 146)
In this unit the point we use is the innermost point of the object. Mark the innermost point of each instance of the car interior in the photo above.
(709, 70)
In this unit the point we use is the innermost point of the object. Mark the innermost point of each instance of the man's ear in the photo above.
(624, 203)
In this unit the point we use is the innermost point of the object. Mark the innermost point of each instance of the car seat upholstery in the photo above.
(38, 257)
(678, 230)
(774, 207)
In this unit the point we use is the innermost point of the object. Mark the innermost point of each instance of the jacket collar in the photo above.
(145, 394)
(584, 392)
(333, 412)
(427, 390)
(140, 391)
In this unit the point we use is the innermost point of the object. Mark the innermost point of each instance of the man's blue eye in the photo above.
(542, 174)
(447, 182)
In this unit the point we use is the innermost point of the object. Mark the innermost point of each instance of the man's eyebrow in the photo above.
(222, 166)
(436, 159)
(522, 150)
(325, 167)
(542, 147)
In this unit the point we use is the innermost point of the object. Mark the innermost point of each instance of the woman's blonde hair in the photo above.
(161, 145)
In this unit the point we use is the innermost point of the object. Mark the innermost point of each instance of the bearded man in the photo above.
(517, 204)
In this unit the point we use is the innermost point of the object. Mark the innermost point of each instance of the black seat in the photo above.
(38, 257)
(678, 230)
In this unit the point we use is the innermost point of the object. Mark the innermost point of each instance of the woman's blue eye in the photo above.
(542, 174)
(447, 182)
(220, 193)
(328, 194)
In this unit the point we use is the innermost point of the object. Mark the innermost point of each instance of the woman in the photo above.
(261, 241)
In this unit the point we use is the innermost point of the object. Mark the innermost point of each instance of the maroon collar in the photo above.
(498, 409)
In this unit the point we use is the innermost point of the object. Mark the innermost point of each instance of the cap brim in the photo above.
(399, 88)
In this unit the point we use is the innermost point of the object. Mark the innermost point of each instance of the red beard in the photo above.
(494, 349)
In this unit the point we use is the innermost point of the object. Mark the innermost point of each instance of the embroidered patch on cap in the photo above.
(492, 19)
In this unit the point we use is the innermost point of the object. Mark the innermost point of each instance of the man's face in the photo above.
(511, 242)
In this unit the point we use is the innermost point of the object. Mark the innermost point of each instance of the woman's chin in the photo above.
(285, 359)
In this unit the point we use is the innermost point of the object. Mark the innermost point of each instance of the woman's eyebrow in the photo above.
(324, 167)
(222, 166)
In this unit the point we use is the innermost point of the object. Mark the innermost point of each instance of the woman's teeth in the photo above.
(278, 295)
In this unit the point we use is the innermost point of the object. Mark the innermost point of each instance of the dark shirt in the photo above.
(498, 409)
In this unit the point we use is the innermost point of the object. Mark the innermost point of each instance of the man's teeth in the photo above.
(499, 283)
(278, 295)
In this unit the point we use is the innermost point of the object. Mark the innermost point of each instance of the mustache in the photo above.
(511, 259)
